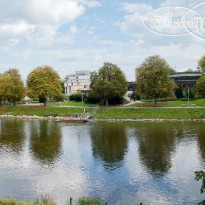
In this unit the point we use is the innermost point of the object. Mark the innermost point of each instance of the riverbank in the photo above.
(48, 201)
(151, 113)
(106, 114)
(17, 202)
(41, 111)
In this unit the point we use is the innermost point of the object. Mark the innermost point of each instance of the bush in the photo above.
(192, 93)
(88, 201)
(76, 97)
(116, 101)
(179, 93)
(92, 99)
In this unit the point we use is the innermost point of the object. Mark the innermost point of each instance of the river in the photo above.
(121, 163)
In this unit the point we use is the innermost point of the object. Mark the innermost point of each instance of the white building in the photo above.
(79, 83)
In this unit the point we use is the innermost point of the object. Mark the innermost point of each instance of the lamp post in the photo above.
(188, 96)
(82, 97)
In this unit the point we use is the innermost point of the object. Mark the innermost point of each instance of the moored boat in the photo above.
(73, 120)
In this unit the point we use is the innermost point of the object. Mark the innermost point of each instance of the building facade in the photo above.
(186, 79)
(79, 83)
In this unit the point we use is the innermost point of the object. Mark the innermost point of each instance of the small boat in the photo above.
(73, 120)
(78, 118)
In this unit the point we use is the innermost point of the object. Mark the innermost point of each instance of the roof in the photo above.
(187, 74)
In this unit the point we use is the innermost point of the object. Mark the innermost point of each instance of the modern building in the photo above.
(186, 79)
(79, 83)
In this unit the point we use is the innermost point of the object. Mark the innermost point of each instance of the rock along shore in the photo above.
(58, 118)
(34, 117)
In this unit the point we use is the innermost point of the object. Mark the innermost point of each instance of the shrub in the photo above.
(115, 101)
(179, 93)
(88, 201)
(76, 97)
(92, 99)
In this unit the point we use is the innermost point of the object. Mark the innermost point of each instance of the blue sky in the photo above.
(72, 35)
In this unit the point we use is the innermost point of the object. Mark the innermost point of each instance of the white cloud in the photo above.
(73, 30)
(16, 28)
(136, 7)
(37, 22)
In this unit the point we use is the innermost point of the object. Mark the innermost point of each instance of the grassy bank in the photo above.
(150, 113)
(38, 110)
(74, 103)
(17, 202)
(177, 103)
(109, 113)
(48, 201)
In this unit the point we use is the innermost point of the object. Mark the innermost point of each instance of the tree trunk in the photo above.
(155, 102)
(45, 102)
(14, 103)
(106, 103)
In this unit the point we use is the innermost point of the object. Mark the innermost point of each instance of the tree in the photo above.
(190, 70)
(190, 92)
(3, 86)
(109, 82)
(12, 86)
(179, 92)
(201, 64)
(153, 78)
(44, 82)
(200, 86)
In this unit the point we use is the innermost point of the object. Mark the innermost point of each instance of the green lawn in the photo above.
(109, 113)
(150, 113)
(74, 103)
(38, 110)
(177, 103)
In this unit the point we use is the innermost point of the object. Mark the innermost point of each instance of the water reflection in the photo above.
(12, 135)
(122, 163)
(155, 146)
(45, 141)
(109, 143)
(201, 141)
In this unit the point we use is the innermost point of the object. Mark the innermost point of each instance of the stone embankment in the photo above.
(34, 117)
(58, 118)
(149, 120)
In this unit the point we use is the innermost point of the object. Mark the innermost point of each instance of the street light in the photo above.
(188, 96)
(82, 96)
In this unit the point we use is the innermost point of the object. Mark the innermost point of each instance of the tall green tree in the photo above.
(153, 78)
(12, 86)
(44, 82)
(201, 64)
(109, 82)
(200, 86)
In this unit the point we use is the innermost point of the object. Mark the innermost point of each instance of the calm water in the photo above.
(123, 163)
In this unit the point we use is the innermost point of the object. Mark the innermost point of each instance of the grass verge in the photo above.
(176, 103)
(48, 201)
(44, 201)
(74, 103)
(38, 110)
(150, 113)
(109, 113)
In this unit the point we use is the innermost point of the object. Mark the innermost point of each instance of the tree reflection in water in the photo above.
(156, 142)
(12, 135)
(109, 143)
(45, 141)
